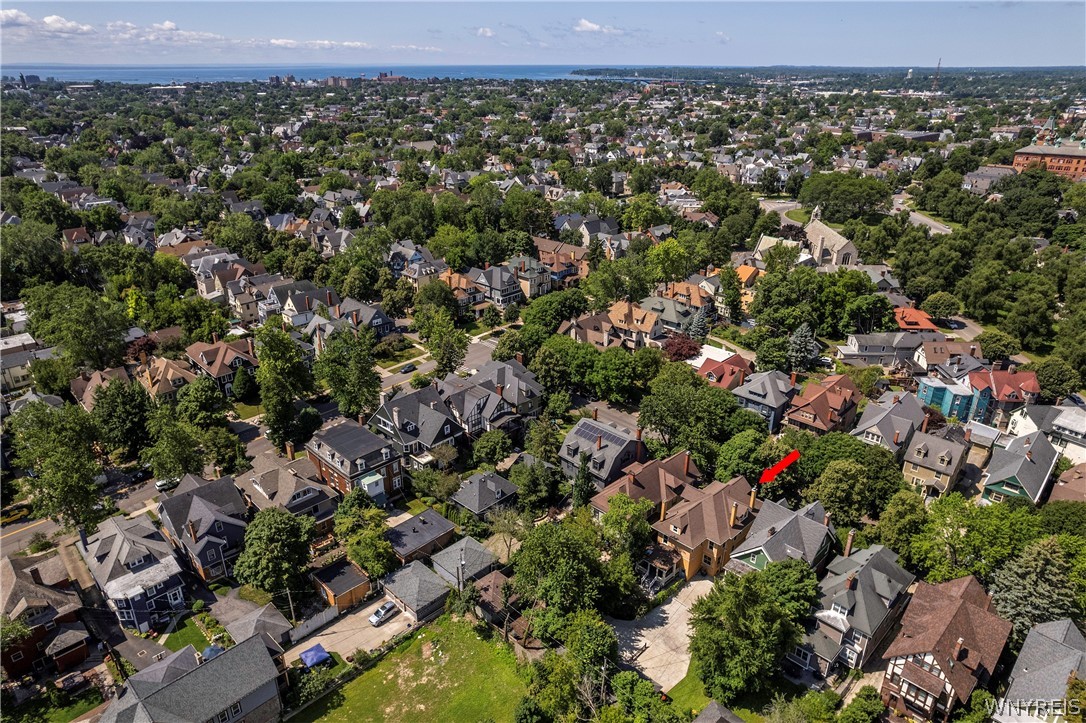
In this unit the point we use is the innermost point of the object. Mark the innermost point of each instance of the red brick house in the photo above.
(827, 406)
(349, 456)
(35, 592)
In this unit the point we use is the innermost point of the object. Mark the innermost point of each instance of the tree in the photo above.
(590, 641)
(243, 387)
(444, 454)
(447, 344)
(998, 345)
(542, 440)
(201, 404)
(680, 347)
(491, 447)
(1057, 379)
(12, 632)
(626, 524)
(52, 376)
(176, 450)
(866, 707)
(740, 457)
(58, 444)
(283, 377)
(1035, 587)
(122, 411)
(537, 486)
(740, 634)
(584, 487)
(510, 524)
(839, 491)
(347, 367)
(793, 584)
(773, 354)
(942, 305)
(511, 313)
(559, 566)
(276, 550)
(903, 519)
(802, 348)
(438, 295)
(491, 316)
(699, 326)
(88, 328)
(397, 298)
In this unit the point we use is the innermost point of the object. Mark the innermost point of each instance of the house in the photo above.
(415, 423)
(221, 360)
(950, 398)
(691, 295)
(781, 534)
(500, 395)
(609, 450)
(706, 525)
(464, 561)
(980, 181)
(566, 263)
(716, 713)
(885, 349)
(533, 277)
(730, 373)
(999, 393)
(930, 354)
(1052, 655)
(625, 324)
(414, 263)
(35, 591)
(267, 622)
(1064, 426)
(293, 484)
(949, 644)
(910, 319)
(660, 480)
(420, 536)
(163, 378)
(483, 492)
(348, 456)
(1021, 469)
(238, 684)
(673, 315)
(769, 394)
(1071, 486)
(133, 565)
(350, 316)
(933, 463)
(205, 521)
(891, 421)
(85, 387)
(341, 584)
(826, 406)
(15, 367)
(418, 591)
(860, 600)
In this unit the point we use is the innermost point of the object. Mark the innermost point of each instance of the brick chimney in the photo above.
(1029, 454)
(35, 575)
(599, 441)
(638, 454)
(686, 464)
(215, 338)
(753, 496)
(850, 581)
(896, 399)
(595, 413)
(968, 433)
(826, 519)
(771, 531)
(396, 417)
(897, 436)
(734, 514)
(252, 349)
(290, 450)
(958, 646)
(742, 376)
(520, 357)
(924, 424)
(501, 388)
(327, 297)
(192, 530)
(848, 542)
(793, 379)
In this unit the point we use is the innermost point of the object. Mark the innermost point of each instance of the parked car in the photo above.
(825, 361)
(384, 613)
(14, 514)
(163, 485)
(407, 368)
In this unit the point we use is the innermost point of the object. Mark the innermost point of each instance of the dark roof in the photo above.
(418, 531)
(203, 503)
(716, 713)
(782, 534)
(1029, 459)
(341, 576)
(866, 584)
(475, 557)
(482, 491)
(416, 586)
(349, 439)
(1051, 654)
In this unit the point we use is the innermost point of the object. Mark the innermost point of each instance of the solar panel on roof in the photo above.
(590, 432)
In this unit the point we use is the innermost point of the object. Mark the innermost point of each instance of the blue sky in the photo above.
(621, 33)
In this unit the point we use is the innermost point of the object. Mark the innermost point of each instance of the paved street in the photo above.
(916, 218)
(658, 645)
(353, 631)
(781, 207)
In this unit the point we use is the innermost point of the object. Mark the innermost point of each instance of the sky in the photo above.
(803, 32)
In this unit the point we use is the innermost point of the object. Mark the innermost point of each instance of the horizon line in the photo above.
(587, 66)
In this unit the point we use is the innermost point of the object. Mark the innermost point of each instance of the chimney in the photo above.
(896, 399)
(143, 358)
(383, 398)
(522, 264)
(850, 581)
(595, 413)
(826, 519)
(972, 350)
(1029, 454)
(396, 417)
(924, 424)
(486, 266)
(354, 317)
(215, 338)
(742, 376)
(686, 464)
(771, 531)
(283, 324)
(290, 450)
(848, 542)
(520, 357)
(35, 575)
(192, 530)
(639, 453)
(753, 496)
(501, 388)
(897, 436)
(335, 311)
(83, 538)
(328, 297)
(968, 433)
(252, 350)
(957, 655)
(734, 514)
(599, 441)
(793, 380)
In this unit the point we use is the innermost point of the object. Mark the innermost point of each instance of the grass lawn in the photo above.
(250, 593)
(445, 673)
(186, 634)
(799, 215)
(399, 357)
(689, 694)
(247, 411)
(41, 711)
(475, 327)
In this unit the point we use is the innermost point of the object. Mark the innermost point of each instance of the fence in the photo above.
(309, 625)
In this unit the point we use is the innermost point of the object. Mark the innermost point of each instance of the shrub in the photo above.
(39, 542)
(198, 606)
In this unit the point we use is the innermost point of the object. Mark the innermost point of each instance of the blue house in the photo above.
(953, 400)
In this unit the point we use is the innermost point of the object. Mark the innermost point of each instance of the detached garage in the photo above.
(418, 591)
(342, 584)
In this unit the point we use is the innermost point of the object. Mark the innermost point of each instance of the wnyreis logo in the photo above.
(1010, 709)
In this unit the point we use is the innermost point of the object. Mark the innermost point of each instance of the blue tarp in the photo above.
(315, 656)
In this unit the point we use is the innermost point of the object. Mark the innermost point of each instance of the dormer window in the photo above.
(447, 429)
(675, 529)
(386, 453)
(839, 609)
(361, 463)
(137, 562)
(218, 526)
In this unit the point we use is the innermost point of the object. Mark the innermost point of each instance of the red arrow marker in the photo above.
(771, 474)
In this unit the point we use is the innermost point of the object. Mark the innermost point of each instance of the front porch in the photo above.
(658, 568)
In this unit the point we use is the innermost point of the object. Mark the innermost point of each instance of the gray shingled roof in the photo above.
(770, 388)
(482, 491)
(476, 557)
(266, 620)
(416, 586)
(418, 531)
(1050, 654)
(1029, 459)
(894, 414)
(878, 581)
(795, 535)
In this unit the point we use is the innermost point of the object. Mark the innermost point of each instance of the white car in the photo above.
(382, 614)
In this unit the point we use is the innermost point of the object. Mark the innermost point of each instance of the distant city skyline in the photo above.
(867, 34)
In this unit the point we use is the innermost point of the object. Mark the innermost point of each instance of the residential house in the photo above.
(483, 492)
(415, 423)
(704, 528)
(238, 684)
(470, 297)
(414, 263)
(421, 536)
(980, 181)
(205, 522)
(1064, 426)
(350, 316)
(1021, 469)
(85, 387)
(780, 534)
(891, 421)
(266, 622)
(500, 395)
(1071, 486)
(36, 592)
(930, 354)
(950, 398)
(673, 315)
(292, 484)
(341, 583)
(221, 360)
(693, 295)
(15, 367)
(910, 319)
(133, 565)
(885, 349)
(163, 378)
(716, 713)
(567, 264)
(609, 450)
(998, 394)
(661, 481)
(466, 560)
(301, 305)
(933, 464)
(769, 394)
(348, 456)
(534, 278)
(1053, 654)
(730, 373)
(949, 644)
(418, 591)
(499, 284)
(826, 406)
(860, 600)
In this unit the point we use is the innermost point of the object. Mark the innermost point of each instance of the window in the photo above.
(16, 656)
(50, 625)
(211, 554)
(839, 609)
(224, 716)
(707, 559)
(997, 497)
(397, 482)
(125, 615)
(218, 526)
(446, 429)
(236, 708)
(914, 467)
(137, 562)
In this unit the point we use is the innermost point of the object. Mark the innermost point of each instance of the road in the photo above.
(916, 218)
(478, 354)
(781, 207)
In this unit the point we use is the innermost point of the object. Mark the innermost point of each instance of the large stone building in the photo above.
(1063, 159)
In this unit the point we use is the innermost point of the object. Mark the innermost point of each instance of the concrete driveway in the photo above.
(353, 631)
(658, 644)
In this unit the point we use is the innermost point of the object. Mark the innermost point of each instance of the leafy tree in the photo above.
(537, 486)
(680, 347)
(492, 447)
(122, 411)
(903, 520)
(276, 550)
(243, 387)
(870, 313)
(584, 487)
(1057, 379)
(224, 450)
(773, 354)
(740, 633)
(740, 456)
(52, 376)
(346, 365)
(88, 328)
(397, 298)
(58, 444)
(447, 344)
(176, 450)
(511, 313)
(812, 707)
(866, 707)
(12, 632)
(1034, 587)
(839, 491)
(201, 404)
(30, 254)
(1060, 517)
(371, 550)
(1075, 700)
(998, 345)
(491, 316)
(802, 347)
(638, 701)
(793, 584)
(626, 524)
(590, 641)
(283, 377)
(942, 305)
(559, 566)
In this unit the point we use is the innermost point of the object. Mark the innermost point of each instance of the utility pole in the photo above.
(290, 600)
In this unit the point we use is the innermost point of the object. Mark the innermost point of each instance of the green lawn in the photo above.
(799, 215)
(399, 357)
(41, 711)
(445, 673)
(247, 411)
(186, 634)
(689, 694)
(250, 593)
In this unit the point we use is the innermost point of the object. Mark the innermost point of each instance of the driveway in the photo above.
(658, 644)
(353, 631)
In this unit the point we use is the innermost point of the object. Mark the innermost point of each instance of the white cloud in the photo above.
(587, 26)
(21, 25)
(722, 36)
(417, 48)
(485, 33)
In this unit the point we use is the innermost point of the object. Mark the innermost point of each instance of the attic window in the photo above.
(446, 429)
(675, 529)
(137, 562)
(839, 609)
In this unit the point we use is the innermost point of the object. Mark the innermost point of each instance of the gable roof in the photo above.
(705, 513)
(20, 591)
(929, 451)
(827, 401)
(121, 541)
(202, 503)
(416, 586)
(427, 414)
(773, 389)
(783, 534)
(470, 552)
(659, 480)
(866, 584)
(1029, 459)
(265, 620)
(218, 359)
(482, 491)
(1051, 654)
(894, 416)
(1008, 385)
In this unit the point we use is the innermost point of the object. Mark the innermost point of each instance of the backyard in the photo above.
(446, 672)
(186, 633)
(42, 710)
(689, 695)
